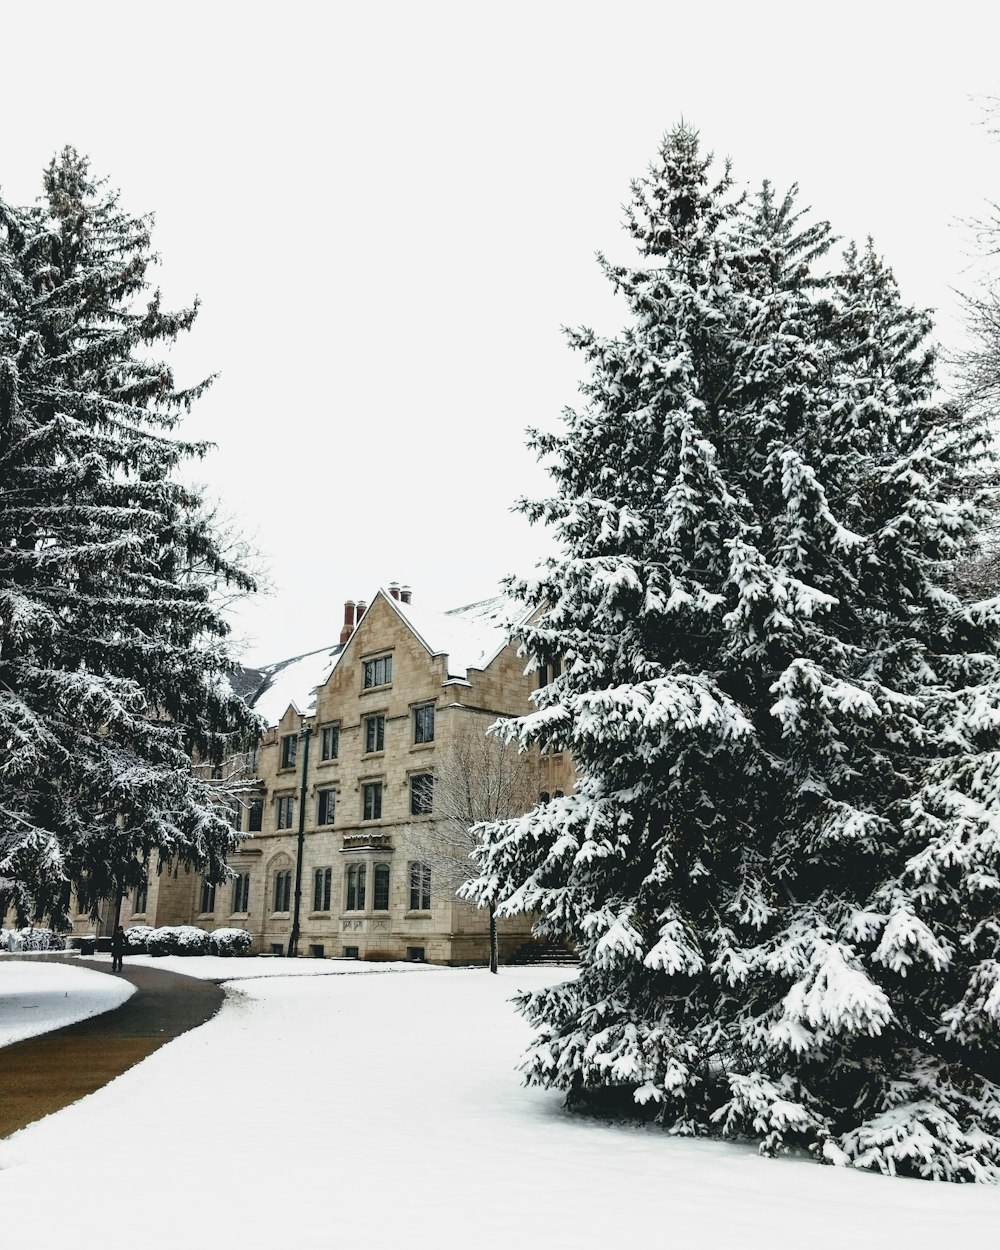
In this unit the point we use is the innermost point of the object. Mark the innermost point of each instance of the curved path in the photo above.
(46, 1073)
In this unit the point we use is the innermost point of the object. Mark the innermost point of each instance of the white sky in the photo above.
(389, 211)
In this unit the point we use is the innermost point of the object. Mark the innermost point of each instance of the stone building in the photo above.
(350, 771)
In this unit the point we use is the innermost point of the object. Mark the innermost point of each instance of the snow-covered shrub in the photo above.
(161, 941)
(230, 941)
(15, 940)
(192, 941)
(138, 938)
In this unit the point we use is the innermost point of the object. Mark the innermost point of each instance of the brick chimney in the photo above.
(405, 594)
(349, 621)
(361, 611)
(394, 590)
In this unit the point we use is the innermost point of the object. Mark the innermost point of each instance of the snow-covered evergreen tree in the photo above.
(113, 661)
(781, 865)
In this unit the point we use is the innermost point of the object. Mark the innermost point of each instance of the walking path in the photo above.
(44, 1074)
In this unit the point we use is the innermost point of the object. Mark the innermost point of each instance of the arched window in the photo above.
(380, 901)
(420, 886)
(356, 887)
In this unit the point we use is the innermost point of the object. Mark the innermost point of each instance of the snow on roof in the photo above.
(294, 682)
(471, 636)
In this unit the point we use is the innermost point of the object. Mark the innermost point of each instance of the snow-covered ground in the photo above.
(251, 967)
(37, 996)
(370, 1110)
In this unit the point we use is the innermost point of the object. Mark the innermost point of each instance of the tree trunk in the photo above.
(494, 943)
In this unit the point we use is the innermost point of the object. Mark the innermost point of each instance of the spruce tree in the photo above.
(779, 866)
(113, 660)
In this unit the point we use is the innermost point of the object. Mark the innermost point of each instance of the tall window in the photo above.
(378, 672)
(241, 892)
(283, 889)
(423, 723)
(207, 895)
(255, 816)
(289, 750)
(326, 807)
(322, 878)
(421, 794)
(286, 811)
(141, 898)
(372, 800)
(356, 875)
(375, 733)
(420, 887)
(380, 893)
(329, 742)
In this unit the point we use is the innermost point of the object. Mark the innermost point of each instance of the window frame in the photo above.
(329, 742)
(376, 672)
(255, 816)
(207, 899)
(381, 883)
(371, 799)
(289, 750)
(420, 885)
(282, 890)
(374, 733)
(322, 885)
(284, 811)
(422, 799)
(355, 883)
(420, 714)
(326, 806)
(241, 894)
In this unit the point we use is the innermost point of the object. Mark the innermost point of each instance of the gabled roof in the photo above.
(293, 683)
(471, 636)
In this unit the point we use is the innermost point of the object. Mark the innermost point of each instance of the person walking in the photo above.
(118, 944)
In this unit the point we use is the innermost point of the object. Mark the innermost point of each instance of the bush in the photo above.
(193, 941)
(230, 941)
(14, 940)
(137, 938)
(161, 942)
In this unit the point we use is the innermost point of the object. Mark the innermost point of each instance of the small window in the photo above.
(415, 954)
(544, 796)
(322, 878)
(207, 895)
(372, 800)
(350, 952)
(326, 807)
(255, 816)
(378, 672)
(289, 750)
(316, 952)
(141, 898)
(558, 794)
(380, 893)
(423, 724)
(356, 877)
(420, 887)
(374, 733)
(282, 889)
(251, 761)
(421, 794)
(277, 948)
(329, 742)
(285, 811)
(241, 892)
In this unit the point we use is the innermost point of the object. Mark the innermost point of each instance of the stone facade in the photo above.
(362, 737)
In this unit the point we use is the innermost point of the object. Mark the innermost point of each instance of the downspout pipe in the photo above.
(293, 941)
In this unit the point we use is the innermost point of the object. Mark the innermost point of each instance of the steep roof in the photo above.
(471, 636)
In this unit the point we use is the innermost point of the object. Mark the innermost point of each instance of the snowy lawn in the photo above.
(369, 1110)
(37, 996)
(240, 968)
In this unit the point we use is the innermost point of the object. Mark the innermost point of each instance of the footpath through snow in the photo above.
(324, 1110)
